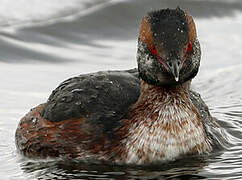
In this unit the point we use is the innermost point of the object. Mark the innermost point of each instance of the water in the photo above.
(44, 42)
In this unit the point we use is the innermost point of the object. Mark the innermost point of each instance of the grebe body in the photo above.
(136, 116)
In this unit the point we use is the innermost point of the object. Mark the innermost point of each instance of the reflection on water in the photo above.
(184, 168)
(39, 49)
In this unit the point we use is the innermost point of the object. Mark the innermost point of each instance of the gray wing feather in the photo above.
(102, 98)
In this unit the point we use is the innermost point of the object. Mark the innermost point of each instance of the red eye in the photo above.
(153, 50)
(189, 47)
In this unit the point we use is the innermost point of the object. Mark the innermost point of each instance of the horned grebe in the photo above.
(116, 117)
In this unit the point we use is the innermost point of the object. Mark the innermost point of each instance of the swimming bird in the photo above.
(135, 116)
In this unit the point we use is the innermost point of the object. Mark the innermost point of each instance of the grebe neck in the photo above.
(163, 125)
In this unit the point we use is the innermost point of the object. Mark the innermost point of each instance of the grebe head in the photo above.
(168, 49)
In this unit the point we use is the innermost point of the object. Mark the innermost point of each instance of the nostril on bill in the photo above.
(170, 64)
(178, 62)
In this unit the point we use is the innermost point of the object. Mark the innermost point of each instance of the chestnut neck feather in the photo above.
(147, 90)
(163, 125)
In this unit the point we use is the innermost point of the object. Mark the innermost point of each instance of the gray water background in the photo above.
(43, 43)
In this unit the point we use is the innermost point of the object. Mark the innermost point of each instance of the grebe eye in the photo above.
(189, 47)
(153, 50)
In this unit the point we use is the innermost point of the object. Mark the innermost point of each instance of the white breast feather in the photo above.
(149, 141)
